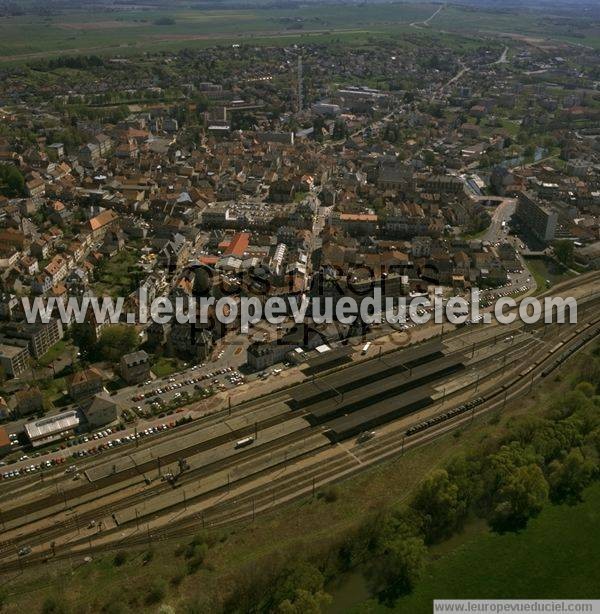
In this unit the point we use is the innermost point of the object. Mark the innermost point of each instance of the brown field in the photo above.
(98, 25)
(258, 34)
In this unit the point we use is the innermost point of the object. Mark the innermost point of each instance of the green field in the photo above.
(548, 560)
(32, 36)
(163, 366)
(552, 559)
(528, 23)
(114, 276)
(543, 270)
(27, 37)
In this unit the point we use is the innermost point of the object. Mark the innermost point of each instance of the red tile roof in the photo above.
(239, 245)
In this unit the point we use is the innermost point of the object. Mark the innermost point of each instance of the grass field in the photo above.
(542, 271)
(552, 559)
(528, 23)
(115, 276)
(163, 366)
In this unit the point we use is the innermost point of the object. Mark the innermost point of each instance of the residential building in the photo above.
(101, 411)
(39, 337)
(84, 384)
(102, 222)
(540, 220)
(14, 359)
(135, 367)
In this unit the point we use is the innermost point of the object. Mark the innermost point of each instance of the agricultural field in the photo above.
(32, 36)
(525, 25)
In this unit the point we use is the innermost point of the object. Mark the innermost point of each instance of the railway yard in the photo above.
(244, 460)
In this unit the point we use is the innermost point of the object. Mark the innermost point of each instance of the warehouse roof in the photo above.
(52, 426)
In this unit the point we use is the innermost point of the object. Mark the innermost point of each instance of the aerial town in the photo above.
(280, 171)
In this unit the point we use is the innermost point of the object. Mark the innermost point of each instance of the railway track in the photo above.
(301, 483)
(82, 518)
(269, 398)
(260, 499)
(280, 490)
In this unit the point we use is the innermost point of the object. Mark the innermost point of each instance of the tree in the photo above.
(440, 505)
(590, 371)
(115, 341)
(571, 403)
(564, 251)
(521, 497)
(83, 337)
(120, 558)
(586, 388)
(466, 474)
(296, 580)
(428, 157)
(305, 602)
(340, 130)
(156, 592)
(318, 126)
(54, 604)
(398, 568)
(555, 439)
(12, 182)
(203, 103)
(498, 468)
(569, 478)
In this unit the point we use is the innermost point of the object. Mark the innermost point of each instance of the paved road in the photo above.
(503, 58)
(498, 233)
(418, 24)
(503, 213)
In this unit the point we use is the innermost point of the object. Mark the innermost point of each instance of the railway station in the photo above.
(359, 374)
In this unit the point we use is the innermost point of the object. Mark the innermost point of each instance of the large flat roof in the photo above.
(364, 371)
(380, 413)
(52, 425)
(11, 350)
(387, 388)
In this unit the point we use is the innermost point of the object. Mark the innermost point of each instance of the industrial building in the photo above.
(53, 428)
